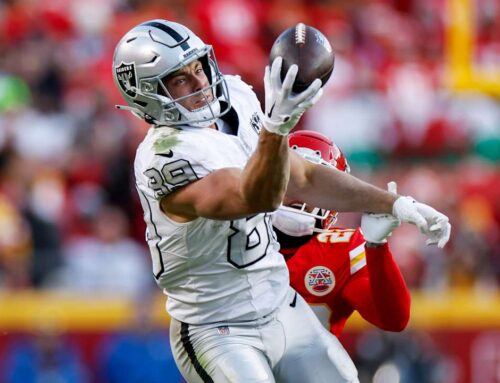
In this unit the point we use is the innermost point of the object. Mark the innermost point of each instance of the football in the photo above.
(309, 49)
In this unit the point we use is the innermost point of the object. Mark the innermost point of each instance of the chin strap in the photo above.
(136, 112)
(201, 117)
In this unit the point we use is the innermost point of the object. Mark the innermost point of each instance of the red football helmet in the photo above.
(319, 149)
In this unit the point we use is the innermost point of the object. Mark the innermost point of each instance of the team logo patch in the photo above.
(127, 79)
(319, 280)
(256, 122)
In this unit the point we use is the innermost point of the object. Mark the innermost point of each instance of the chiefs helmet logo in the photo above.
(319, 280)
(127, 79)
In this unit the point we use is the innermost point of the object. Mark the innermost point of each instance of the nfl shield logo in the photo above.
(223, 330)
(127, 79)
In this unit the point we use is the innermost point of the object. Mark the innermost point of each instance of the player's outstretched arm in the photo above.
(379, 293)
(331, 189)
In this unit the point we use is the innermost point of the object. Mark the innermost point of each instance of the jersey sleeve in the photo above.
(380, 295)
(245, 101)
(357, 254)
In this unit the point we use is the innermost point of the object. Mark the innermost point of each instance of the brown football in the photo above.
(309, 49)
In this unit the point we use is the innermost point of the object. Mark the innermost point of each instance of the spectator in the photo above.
(43, 358)
(107, 261)
(140, 354)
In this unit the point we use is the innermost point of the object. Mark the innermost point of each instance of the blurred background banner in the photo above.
(414, 97)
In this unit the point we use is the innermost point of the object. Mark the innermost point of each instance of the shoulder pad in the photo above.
(235, 82)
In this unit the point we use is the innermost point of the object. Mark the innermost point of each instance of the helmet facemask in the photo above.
(174, 113)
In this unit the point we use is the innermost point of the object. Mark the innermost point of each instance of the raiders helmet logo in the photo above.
(319, 281)
(127, 79)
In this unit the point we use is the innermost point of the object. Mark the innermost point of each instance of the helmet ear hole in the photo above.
(294, 147)
(147, 87)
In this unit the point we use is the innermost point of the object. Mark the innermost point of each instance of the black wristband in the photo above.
(373, 245)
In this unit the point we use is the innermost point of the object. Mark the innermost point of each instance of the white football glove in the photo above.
(377, 227)
(284, 108)
(430, 221)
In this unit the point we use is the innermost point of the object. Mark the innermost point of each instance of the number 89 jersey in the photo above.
(211, 270)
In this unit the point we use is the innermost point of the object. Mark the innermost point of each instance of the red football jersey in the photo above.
(336, 274)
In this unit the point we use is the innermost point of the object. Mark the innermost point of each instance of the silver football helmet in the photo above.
(153, 50)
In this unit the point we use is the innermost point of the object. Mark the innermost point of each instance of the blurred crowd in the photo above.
(136, 355)
(141, 355)
(69, 215)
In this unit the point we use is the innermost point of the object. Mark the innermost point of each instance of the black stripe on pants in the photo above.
(188, 347)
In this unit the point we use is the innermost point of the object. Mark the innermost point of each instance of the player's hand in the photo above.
(438, 226)
(283, 107)
(430, 221)
(377, 227)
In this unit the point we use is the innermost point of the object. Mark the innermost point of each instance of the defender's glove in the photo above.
(377, 227)
(430, 221)
(284, 108)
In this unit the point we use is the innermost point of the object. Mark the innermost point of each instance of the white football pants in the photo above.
(287, 346)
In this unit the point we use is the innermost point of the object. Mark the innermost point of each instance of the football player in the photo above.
(209, 172)
(339, 271)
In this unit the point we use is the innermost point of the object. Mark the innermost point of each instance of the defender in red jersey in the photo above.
(336, 270)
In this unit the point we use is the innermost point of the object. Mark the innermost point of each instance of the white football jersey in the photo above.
(211, 270)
